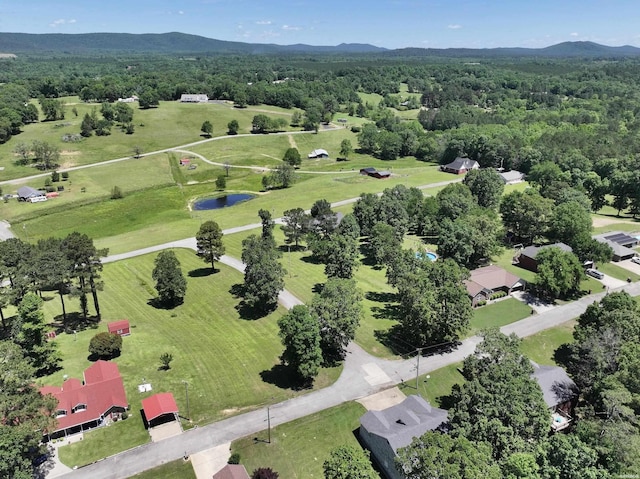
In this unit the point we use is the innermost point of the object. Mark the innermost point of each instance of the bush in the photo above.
(105, 345)
(499, 294)
(234, 458)
(481, 303)
(55, 176)
(264, 473)
(116, 193)
(65, 175)
(355, 129)
(47, 182)
(221, 182)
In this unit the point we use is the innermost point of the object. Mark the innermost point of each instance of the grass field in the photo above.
(171, 124)
(541, 346)
(227, 361)
(172, 470)
(498, 314)
(618, 272)
(299, 448)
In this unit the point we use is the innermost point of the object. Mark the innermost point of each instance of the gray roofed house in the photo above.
(512, 177)
(527, 257)
(621, 244)
(460, 166)
(27, 193)
(386, 431)
(559, 391)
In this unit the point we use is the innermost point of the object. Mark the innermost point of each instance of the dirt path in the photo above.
(292, 142)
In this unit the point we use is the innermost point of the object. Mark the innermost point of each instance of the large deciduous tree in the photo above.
(26, 414)
(341, 256)
(526, 214)
(263, 274)
(436, 455)
(569, 222)
(499, 403)
(292, 157)
(300, 335)
(296, 225)
(486, 185)
(348, 462)
(559, 273)
(170, 282)
(338, 309)
(209, 243)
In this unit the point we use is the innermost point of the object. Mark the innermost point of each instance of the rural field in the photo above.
(227, 361)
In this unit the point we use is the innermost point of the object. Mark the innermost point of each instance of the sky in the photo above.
(384, 23)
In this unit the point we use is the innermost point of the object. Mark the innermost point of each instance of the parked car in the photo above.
(635, 259)
(595, 273)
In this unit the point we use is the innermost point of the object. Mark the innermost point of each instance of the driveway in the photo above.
(535, 303)
(5, 230)
(611, 283)
(629, 266)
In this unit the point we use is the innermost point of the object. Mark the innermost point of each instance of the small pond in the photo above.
(221, 201)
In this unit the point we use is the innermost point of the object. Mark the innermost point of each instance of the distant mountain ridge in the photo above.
(85, 43)
(182, 43)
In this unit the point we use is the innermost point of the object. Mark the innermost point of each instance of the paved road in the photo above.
(362, 375)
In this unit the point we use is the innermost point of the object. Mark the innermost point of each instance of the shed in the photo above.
(121, 327)
(160, 408)
(318, 153)
(185, 161)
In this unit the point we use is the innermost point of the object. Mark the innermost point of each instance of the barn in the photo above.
(121, 328)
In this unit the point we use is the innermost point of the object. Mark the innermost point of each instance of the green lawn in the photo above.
(299, 448)
(617, 272)
(541, 346)
(169, 125)
(498, 314)
(230, 363)
(172, 470)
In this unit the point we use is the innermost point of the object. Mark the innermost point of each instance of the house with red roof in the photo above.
(121, 328)
(96, 401)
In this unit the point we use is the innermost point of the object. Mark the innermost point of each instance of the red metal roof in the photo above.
(159, 404)
(115, 326)
(102, 390)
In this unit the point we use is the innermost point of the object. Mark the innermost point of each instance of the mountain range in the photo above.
(182, 43)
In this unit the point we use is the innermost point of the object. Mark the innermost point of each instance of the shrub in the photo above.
(264, 473)
(165, 359)
(221, 182)
(481, 303)
(47, 182)
(116, 193)
(234, 458)
(55, 176)
(105, 345)
(65, 175)
(499, 294)
(355, 129)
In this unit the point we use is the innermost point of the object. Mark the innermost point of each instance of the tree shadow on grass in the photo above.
(390, 310)
(202, 272)
(244, 310)
(285, 248)
(158, 304)
(562, 355)
(74, 322)
(283, 377)
(311, 259)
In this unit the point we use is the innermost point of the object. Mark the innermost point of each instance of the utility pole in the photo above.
(186, 392)
(418, 369)
(268, 425)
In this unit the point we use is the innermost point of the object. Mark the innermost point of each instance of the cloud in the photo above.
(454, 26)
(574, 34)
(263, 22)
(180, 12)
(62, 21)
(291, 28)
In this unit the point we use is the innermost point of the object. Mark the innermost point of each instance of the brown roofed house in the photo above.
(232, 471)
(484, 282)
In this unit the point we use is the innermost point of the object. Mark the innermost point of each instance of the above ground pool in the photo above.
(221, 201)
(428, 255)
